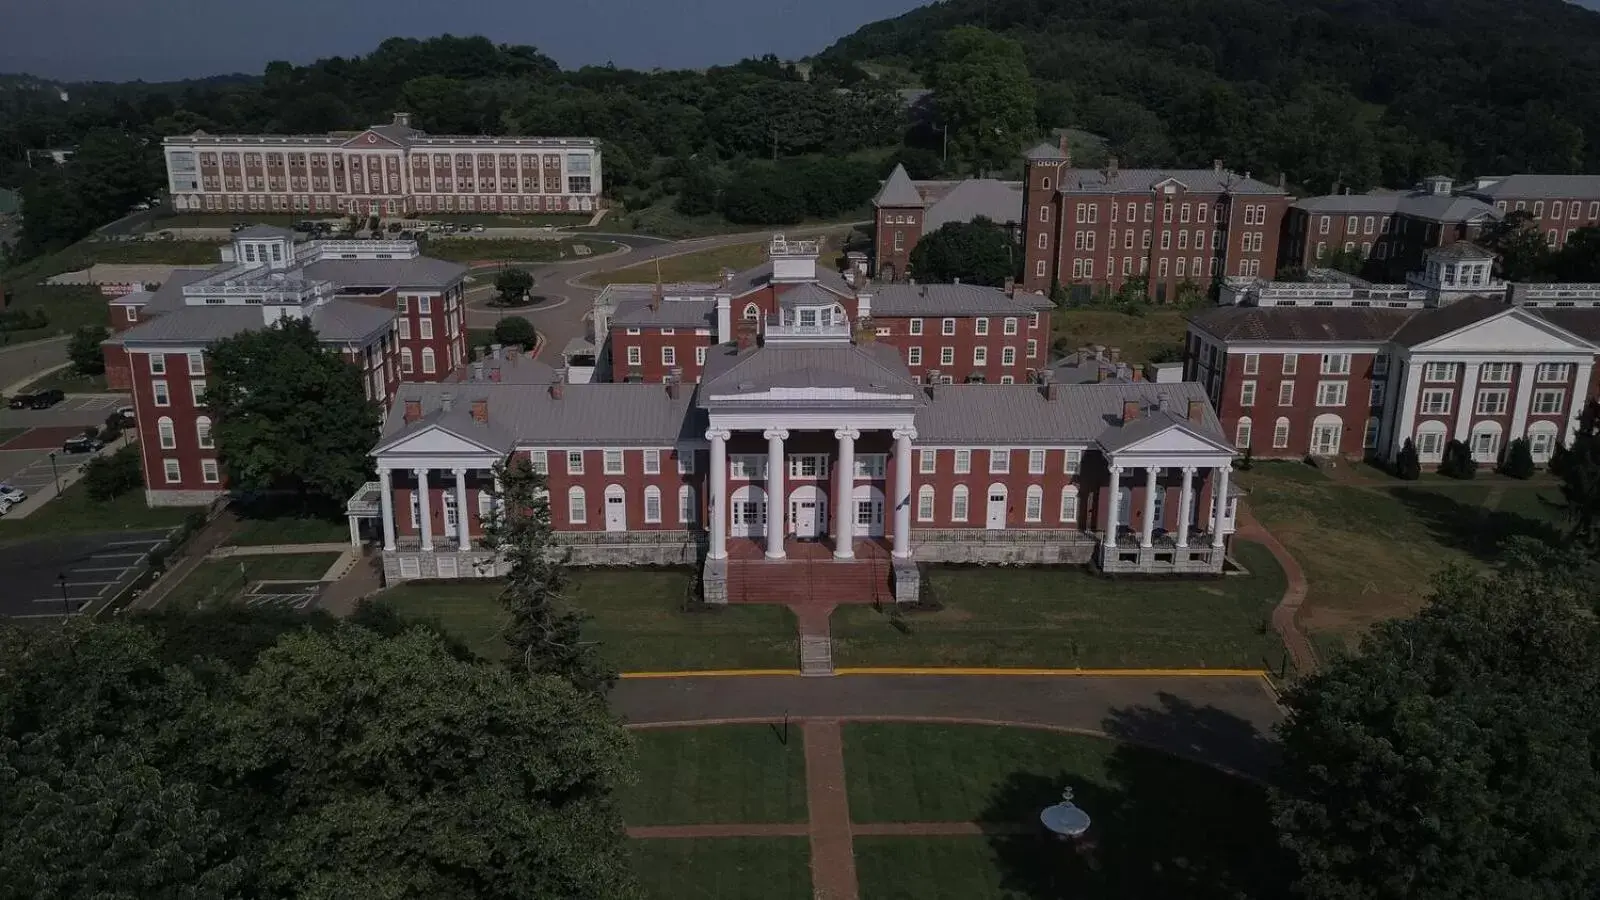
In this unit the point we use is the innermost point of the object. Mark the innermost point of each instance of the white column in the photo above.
(1406, 415)
(1185, 506)
(777, 500)
(355, 532)
(1468, 402)
(1112, 499)
(719, 493)
(1220, 492)
(424, 510)
(902, 493)
(1579, 399)
(844, 538)
(464, 539)
(1147, 536)
(386, 504)
(1526, 372)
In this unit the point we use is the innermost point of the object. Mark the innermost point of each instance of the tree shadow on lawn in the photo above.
(1483, 533)
(1161, 826)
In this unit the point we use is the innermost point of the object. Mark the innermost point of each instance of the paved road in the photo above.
(96, 567)
(1220, 720)
(17, 363)
(79, 411)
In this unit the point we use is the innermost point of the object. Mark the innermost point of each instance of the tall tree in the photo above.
(976, 252)
(513, 285)
(1579, 472)
(88, 357)
(1522, 251)
(289, 412)
(983, 93)
(1456, 755)
(544, 633)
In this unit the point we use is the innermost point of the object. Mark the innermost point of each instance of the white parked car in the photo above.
(12, 494)
(5, 506)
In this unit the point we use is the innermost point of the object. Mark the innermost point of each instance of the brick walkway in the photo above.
(833, 860)
(1294, 595)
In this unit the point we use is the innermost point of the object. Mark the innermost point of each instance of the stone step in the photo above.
(816, 654)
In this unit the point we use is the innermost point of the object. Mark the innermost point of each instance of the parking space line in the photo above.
(75, 571)
(73, 584)
(115, 555)
(144, 543)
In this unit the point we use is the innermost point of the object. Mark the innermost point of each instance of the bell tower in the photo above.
(1044, 166)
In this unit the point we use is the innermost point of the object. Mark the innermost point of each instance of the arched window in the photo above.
(577, 512)
(1280, 433)
(652, 504)
(428, 363)
(1069, 506)
(1542, 441)
(1485, 442)
(925, 502)
(752, 312)
(202, 431)
(1430, 441)
(1241, 433)
(1034, 510)
(406, 364)
(169, 438)
(958, 504)
(688, 510)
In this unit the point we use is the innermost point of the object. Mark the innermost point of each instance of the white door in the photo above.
(616, 510)
(450, 515)
(1160, 514)
(1125, 507)
(997, 509)
(804, 515)
(1325, 440)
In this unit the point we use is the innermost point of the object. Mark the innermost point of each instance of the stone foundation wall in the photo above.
(714, 581)
(181, 498)
(1003, 547)
(667, 548)
(907, 581)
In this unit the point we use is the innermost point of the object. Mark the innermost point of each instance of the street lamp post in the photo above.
(56, 474)
(66, 604)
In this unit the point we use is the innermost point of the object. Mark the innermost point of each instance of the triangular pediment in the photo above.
(370, 139)
(434, 439)
(1175, 440)
(1168, 185)
(1510, 331)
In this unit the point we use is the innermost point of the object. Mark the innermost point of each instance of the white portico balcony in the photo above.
(806, 324)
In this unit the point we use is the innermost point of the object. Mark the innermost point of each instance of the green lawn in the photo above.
(75, 513)
(287, 529)
(222, 580)
(71, 382)
(1401, 534)
(717, 775)
(706, 265)
(724, 869)
(1068, 618)
(636, 616)
(1138, 337)
(1163, 827)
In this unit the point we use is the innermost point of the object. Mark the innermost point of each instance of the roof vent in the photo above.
(446, 401)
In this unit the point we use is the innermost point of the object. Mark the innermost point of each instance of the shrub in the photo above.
(85, 352)
(1558, 459)
(1407, 464)
(107, 477)
(1458, 461)
(1519, 459)
(515, 330)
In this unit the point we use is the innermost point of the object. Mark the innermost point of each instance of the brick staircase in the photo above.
(800, 581)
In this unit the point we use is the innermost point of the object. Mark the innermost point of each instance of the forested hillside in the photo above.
(1359, 92)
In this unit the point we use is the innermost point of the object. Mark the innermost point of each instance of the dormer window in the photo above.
(249, 252)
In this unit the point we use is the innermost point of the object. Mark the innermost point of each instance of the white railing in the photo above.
(781, 328)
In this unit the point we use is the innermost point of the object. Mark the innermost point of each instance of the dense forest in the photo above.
(1346, 93)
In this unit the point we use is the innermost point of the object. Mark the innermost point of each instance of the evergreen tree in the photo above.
(544, 633)
(1457, 461)
(1407, 464)
(1519, 459)
(1580, 479)
(88, 357)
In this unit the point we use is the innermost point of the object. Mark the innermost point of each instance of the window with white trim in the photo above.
(404, 327)
(1033, 507)
(1369, 437)
(1437, 402)
(652, 462)
(1436, 371)
(173, 471)
(1291, 363)
(1241, 433)
(958, 504)
(914, 326)
(1495, 373)
(209, 472)
(1009, 326)
(574, 462)
(158, 389)
(1553, 372)
(948, 327)
(1008, 356)
(167, 434)
(963, 462)
(947, 356)
(1247, 393)
(1033, 349)
(1336, 364)
(635, 356)
(980, 326)
(407, 362)
(669, 356)
(1286, 393)
(652, 505)
(1069, 506)
(577, 509)
(1492, 401)
(1072, 462)
(685, 462)
(612, 462)
(1430, 442)
(1549, 402)
(425, 329)
(158, 364)
(428, 361)
(925, 503)
(197, 362)
(980, 356)
(1332, 393)
(913, 356)
(1252, 363)
(197, 391)
(999, 461)
(539, 462)
(1036, 462)
(202, 433)
(872, 465)
(927, 461)
(805, 465)
(1280, 433)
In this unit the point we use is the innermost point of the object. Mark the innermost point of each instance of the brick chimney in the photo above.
(1197, 411)
(1066, 149)
(494, 374)
(1130, 410)
(1216, 166)
(674, 382)
(480, 411)
(744, 334)
(1048, 385)
(656, 296)
(1011, 286)
(413, 411)
(1111, 167)
(557, 385)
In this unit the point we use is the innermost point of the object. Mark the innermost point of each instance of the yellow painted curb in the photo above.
(711, 673)
(1137, 673)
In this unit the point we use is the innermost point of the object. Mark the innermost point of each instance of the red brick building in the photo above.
(384, 170)
(943, 332)
(386, 309)
(905, 210)
(1560, 204)
(1088, 229)
(1391, 230)
(1346, 368)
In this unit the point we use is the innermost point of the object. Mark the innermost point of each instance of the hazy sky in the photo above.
(166, 39)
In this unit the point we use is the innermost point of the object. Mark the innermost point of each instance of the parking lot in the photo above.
(45, 578)
(78, 411)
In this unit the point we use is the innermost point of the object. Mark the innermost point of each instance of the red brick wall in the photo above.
(1302, 411)
(118, 376)
(182, 411)
(906, 222)
(1041, 214)
(963, 343)
(650, 342)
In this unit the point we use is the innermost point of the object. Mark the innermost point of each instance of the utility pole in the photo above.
(774, 145)
(944, 161)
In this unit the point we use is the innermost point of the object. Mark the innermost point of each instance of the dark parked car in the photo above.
(21, 401)
(46, 399)
(81, 444)
(125, 416)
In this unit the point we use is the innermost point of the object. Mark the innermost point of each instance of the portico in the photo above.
(1157, 463)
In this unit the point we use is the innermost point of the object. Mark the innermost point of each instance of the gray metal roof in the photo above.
(344, 321)
(998, 201)
(194, 325)
(1302, 323)
(418, 272)
(1044, 151)
(730, 372)
(169, 295)
(807, 294)
(1011, 413)
(1421, 204)
(1581, 321)
(1559, 187)
(515, 366)
(1143, 181)
(1460, 250)
(953, 300)
(1427, 324)
(264, 231)
(898, 190)
(758, 277)
(666, 314)
(596, 414)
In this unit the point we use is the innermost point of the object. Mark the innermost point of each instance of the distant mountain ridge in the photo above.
(1356, 92)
